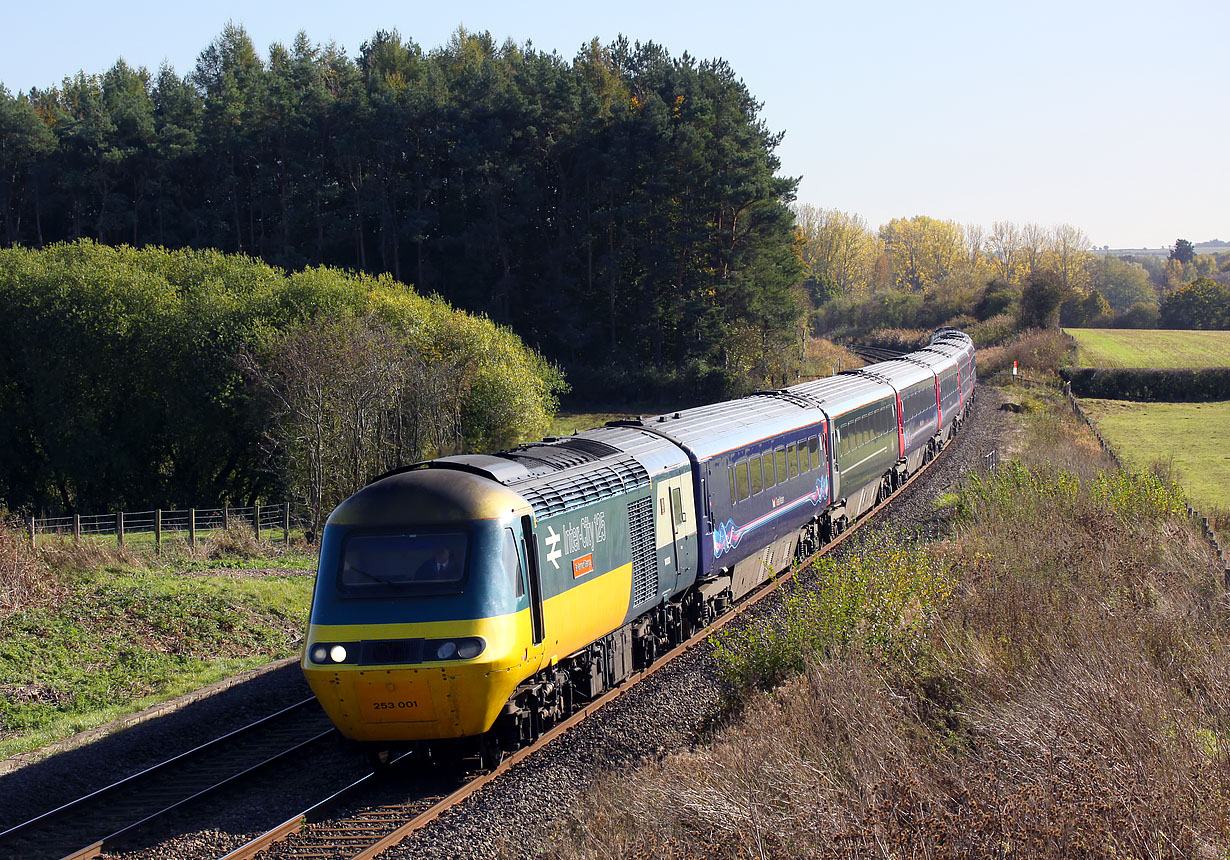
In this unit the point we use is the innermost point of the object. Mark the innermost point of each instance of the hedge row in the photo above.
(1137, 383)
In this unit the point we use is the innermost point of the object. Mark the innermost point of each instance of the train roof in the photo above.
(560, 474)
(940, 356)
(899, 372)
(838, 394)
(706, 431)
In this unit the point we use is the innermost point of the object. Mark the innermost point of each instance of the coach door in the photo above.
(676, 531)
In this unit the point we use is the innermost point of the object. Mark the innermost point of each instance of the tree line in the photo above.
(920, 272)
(159, 378)
(617, 209)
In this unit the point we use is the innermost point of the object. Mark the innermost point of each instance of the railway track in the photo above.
(98, 822)
(368, 829)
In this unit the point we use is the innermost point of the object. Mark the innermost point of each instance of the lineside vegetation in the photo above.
(91, 633)
(1048, 680)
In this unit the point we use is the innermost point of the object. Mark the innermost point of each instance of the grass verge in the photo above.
(1050, 680)
(117, 631)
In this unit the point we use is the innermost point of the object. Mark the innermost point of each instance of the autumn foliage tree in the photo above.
(1202, 304)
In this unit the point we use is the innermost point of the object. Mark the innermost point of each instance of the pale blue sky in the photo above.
(1112, 116)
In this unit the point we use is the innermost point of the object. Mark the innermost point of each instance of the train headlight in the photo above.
(338, 654)
(466, 648)
(320, 654)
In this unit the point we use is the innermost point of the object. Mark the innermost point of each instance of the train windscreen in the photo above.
(403, 562)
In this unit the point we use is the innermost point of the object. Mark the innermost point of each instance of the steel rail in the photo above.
(296, 824)
(52, 829)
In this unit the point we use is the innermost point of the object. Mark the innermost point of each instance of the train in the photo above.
(487, 596)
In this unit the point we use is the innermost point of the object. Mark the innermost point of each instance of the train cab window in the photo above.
(413, 563)
(677, 504)
(813, 448)
(741, 481)
(792, 459)
(770, 473)
(756, 474)
(512, 563)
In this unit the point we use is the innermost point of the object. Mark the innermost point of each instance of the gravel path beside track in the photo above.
(509, 818)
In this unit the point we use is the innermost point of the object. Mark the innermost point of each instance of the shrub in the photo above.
(1143, 383)
(1042, 350)
(25, 579)
(880, 597)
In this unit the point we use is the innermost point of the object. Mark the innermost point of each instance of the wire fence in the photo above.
(271, 522)
(1215, 546)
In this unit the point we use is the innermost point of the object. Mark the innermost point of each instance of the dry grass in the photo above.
(824, 358)
(25, 578)
(1071, 699)
(1035, 349)
(903, 339)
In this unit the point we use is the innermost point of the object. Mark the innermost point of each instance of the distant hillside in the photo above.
(1216, 246)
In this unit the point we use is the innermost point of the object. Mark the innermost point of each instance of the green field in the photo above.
(1112, 347)
(1193, 437)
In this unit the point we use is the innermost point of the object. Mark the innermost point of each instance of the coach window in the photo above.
(782, 472)
(770, 474)
(741, 480)
(733, 498)
(792, 459)
(757, 475)
(813, 448)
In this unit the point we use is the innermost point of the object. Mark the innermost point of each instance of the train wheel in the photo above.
(490, 752)
(378, 760)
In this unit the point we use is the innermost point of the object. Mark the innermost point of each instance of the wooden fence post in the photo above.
(192, 527)
(256, 520)
(158, 532)
(76, 528)
(119, 528)
(32, 531)
(286, 522)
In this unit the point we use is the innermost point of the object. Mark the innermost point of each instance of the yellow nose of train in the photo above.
(420, 623)
(461, 675)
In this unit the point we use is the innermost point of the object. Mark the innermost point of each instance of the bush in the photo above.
(992, 331)
(880, 598)
(1041, 350)
(1190, 385)
(25, 579)
(902, 340)
(1140, 315)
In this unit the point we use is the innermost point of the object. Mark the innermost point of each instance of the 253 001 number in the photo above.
(388, 706)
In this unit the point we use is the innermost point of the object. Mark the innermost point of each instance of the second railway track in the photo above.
(98, 822)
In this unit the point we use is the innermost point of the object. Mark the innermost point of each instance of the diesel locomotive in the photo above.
(488, 595)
